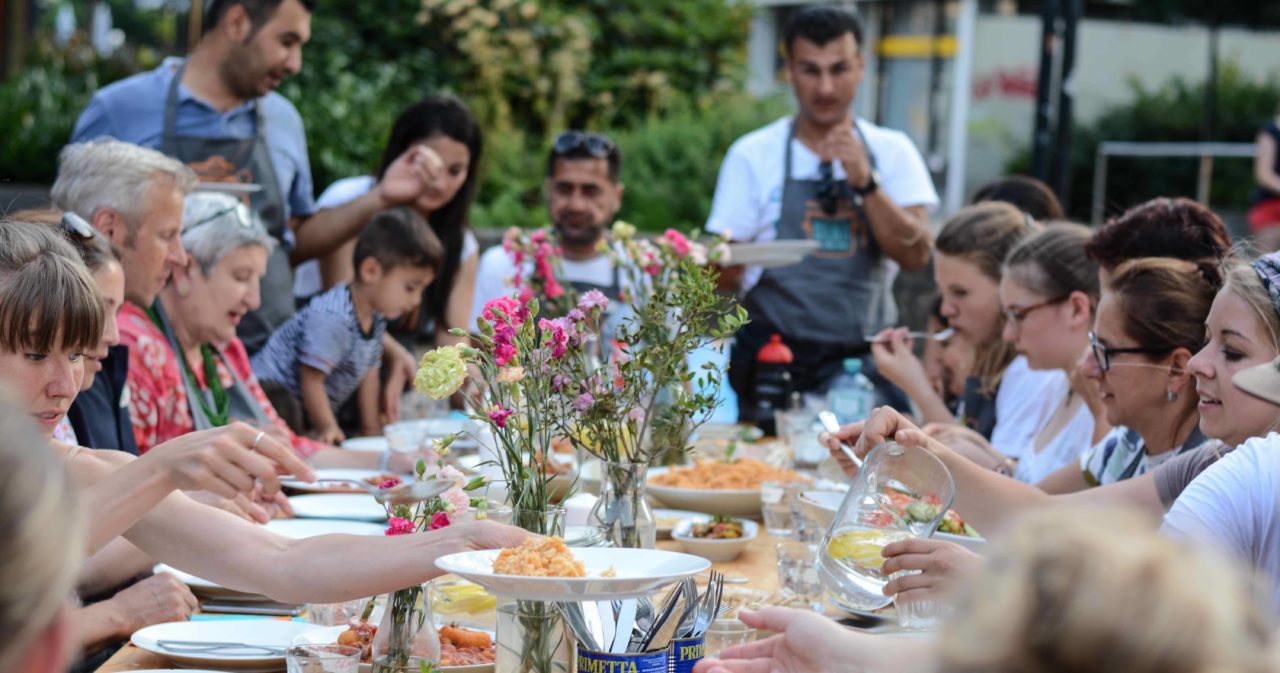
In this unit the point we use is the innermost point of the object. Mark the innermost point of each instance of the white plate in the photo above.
(772, 253)
(716, 551)
(329, 635)
(673, 517)
(267, 632)
(640, 572)
(376, 444)
(352, 506)
(821, 506)
(353, 474)
(733, 502)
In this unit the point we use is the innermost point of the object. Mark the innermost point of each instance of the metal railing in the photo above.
(1205, 151)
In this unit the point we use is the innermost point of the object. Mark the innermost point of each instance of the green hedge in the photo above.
(1170, 112)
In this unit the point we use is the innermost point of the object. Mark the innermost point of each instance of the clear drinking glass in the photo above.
(798, 572)
(335, 614)
(727, 632)
(777, 505)
(798, 428)
(901, 492)
(322, 659)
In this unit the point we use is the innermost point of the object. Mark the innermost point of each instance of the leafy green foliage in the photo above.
(1170, 112)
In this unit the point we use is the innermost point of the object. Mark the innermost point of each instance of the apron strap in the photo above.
(167, 137)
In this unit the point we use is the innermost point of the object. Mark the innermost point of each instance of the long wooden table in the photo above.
(758, 563)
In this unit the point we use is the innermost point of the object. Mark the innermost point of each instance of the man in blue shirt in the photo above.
(218, 112)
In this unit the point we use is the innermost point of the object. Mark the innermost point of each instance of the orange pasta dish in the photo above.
(539, 557)
(744, 474)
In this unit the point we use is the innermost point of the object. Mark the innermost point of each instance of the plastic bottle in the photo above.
(852, 396)
(772, 384)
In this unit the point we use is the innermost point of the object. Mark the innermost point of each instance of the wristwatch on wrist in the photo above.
(873, 183)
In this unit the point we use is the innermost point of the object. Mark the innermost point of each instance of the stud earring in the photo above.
(1173, 397)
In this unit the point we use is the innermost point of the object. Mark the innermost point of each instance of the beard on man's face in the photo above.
(579, 230)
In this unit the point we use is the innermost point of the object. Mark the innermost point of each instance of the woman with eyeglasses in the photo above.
(50, 314)
(188, 370)
(1005, 400)
(1049, 291)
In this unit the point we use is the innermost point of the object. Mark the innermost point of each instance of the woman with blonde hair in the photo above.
(1068, 591)
(1004, 401)
(41, 548)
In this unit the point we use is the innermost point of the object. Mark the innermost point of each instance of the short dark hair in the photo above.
(1030, 195)
(821, 24)
(259, 11)
(399, 237)
(1162, 227)
(582, 153)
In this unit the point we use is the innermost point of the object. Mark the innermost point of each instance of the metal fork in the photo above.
(204, 647)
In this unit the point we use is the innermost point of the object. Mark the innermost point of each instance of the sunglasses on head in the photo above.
(239, 210)
(76, 226)
(595, 144)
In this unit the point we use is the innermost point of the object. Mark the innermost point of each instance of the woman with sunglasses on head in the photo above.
(43, 285)
(188, 369)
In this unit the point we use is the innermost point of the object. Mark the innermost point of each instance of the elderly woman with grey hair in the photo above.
(188, 370)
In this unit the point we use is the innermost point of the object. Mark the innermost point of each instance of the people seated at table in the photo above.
(584, 193)
(43, 287)
(1067, 591)
(133, 198)
(330, 350)
(1004, 400)
(1049, 293)
(41, 548)
(188, 369)
(1030, 195)
(444, 133)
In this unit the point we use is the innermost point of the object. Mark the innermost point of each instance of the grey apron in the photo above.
(836, 295)
(243, 160)
(242, 405)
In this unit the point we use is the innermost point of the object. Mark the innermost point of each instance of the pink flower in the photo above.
(438, 520)
(593, 299)
(556, 335)
(457, 499)
(677, 241)
(398, 526)
(505, 311)
(576, 315)
(389, 483)
(499, 416)
(539, 236)
(526, 293)
(584, 402)
(553, 289)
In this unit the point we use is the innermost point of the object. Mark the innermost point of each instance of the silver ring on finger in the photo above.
(257, 440)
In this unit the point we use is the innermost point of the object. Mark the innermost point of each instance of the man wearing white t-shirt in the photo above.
(583, 197)
(860, 191)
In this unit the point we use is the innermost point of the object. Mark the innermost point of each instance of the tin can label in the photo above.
(604, 662)
(685, 653)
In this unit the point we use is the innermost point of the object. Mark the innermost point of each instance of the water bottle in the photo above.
(772, 383)
(852, 396)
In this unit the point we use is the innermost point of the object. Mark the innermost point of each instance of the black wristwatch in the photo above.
(873, 183)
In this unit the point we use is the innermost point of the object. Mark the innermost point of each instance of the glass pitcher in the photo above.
(900, 492)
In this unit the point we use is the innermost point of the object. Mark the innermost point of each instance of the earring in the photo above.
(1173, 396)
(183, 288)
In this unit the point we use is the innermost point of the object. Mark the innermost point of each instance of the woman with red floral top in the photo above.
(188, 370)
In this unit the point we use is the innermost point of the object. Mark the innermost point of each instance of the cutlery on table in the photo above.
(940, 335)
(832, 426)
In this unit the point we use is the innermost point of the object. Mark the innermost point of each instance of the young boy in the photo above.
(333, 346)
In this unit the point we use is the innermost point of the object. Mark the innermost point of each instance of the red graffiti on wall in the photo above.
(1009, 83)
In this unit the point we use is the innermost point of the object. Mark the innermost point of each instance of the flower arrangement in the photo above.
(515, 358)
(645, 404)
(542, 281)
(407, 619)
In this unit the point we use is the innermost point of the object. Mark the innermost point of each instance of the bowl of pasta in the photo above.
(717, 487)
